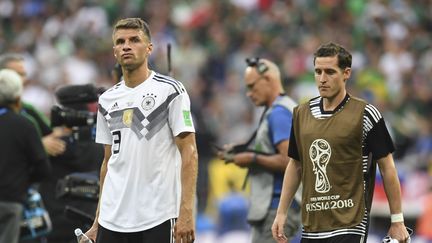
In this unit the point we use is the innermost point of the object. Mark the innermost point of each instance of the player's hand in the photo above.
(278, 229)
(184, 229)
(398, 232)
(92, 232)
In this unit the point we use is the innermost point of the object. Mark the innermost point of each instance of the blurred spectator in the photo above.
(232, 213)
(52, 143)
(424, 223)
(232, 219)
(116, 74)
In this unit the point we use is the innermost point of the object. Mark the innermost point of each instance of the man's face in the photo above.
(329, 78)
(131, 48)
(18, 66)
(257, 86)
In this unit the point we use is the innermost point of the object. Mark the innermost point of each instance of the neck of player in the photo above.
(137, 76)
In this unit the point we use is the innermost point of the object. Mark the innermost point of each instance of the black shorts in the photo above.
(337, 239)
(163, 233)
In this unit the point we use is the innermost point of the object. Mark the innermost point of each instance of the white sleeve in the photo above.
(103, 134)
(180, 117)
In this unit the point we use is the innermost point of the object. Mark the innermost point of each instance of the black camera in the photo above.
(74, 110)
(77, 110)
(71, 117)
(82, 185)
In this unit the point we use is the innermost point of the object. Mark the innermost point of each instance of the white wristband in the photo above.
(396, 218)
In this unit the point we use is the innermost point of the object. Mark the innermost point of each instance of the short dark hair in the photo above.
(6, 58)
(133, 23)
(330, 50)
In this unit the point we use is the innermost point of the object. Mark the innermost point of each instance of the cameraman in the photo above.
(22, 157)
(82, 155)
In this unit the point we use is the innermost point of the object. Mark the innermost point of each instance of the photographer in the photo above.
(76, 115)
(22, 157)
(265, 155)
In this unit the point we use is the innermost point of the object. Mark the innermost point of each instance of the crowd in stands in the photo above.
(69, 42)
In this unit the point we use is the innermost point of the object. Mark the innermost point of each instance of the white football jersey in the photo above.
(142, 186)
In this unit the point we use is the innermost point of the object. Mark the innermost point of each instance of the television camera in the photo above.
(77, 109)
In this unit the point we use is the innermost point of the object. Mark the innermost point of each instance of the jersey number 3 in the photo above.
(116, 141)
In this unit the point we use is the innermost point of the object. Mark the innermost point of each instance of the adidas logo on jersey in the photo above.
(115, 106)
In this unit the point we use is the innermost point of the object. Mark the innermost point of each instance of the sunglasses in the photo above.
(261, 67)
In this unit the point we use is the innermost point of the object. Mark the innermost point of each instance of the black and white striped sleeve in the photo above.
(377, 137)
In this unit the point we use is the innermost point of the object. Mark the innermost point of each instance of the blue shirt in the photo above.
(279, 120)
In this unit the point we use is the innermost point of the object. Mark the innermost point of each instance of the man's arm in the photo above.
(279, 122)
(392, 189)
(92, 232)
(184, 229)
(291, 183)
(275, 162)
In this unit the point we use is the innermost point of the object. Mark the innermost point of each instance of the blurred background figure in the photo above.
(23, 160)
(67, 151)
(51, 140)
(424, 222)
(265, 153)
(116, 73)
(232, 218)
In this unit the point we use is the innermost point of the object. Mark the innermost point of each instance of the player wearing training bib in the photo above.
(336, 141)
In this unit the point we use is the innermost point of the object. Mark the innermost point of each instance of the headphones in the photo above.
(261, 67)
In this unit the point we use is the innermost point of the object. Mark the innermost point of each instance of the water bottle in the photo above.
(81, 237)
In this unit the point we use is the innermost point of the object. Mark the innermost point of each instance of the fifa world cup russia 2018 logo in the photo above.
(320, 153)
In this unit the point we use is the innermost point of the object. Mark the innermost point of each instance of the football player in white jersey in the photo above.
(148, 175)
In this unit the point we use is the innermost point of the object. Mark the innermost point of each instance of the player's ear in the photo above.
(114, 52)
(347, 73)
(149, 49)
